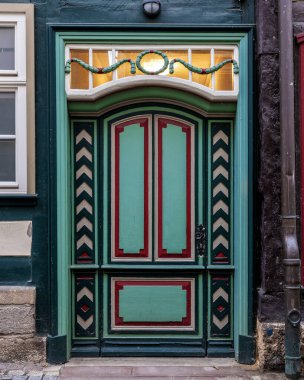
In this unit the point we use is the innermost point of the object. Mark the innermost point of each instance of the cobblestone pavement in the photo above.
(28, 371)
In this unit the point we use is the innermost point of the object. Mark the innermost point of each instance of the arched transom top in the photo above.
(95, 70)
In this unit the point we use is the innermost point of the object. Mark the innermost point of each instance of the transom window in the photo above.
(199, 65)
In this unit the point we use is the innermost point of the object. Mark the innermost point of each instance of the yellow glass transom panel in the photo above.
(221, 80)
(153, 62)
(202, 59)
(224, 76)
(102, 58)
(79, 75)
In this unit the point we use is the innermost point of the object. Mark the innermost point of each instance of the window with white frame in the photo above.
(210, 68)
(15, 33)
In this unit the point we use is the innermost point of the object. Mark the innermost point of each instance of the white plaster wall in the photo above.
(16, 238)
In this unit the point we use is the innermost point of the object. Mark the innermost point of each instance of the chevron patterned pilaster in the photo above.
(84, 192)
(220, 193)
(220, 318)
(85, 305)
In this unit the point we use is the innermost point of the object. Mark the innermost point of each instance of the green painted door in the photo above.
(145, 178)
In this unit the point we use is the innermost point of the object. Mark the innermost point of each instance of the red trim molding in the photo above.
(162, 251)
(119, 128)
(184, 284)
(300, 40)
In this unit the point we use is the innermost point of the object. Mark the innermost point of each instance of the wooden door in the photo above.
(155, 290)
(149, 291)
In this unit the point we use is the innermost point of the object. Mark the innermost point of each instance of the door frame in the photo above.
(243, 167)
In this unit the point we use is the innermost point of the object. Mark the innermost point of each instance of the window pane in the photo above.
(7, 112)
(179, 70)
(153, 62)
(7, 161)
(201, 59)
(224, 76)
(79, 75)
(7, 48)
(102, 59)
(125, 69)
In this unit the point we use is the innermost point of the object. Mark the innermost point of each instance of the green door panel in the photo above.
(152, 303)
(131, 189)
(174, 189)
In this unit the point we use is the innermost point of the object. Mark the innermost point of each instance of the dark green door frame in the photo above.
(61, 235)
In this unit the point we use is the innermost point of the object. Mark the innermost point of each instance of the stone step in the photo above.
(153, 372)
(163, 378)
(161, 369)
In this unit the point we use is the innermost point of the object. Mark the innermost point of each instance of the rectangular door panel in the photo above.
(174, 189)
(151, 305)
(131, 190)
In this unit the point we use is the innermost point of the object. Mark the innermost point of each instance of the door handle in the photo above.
(200, 239)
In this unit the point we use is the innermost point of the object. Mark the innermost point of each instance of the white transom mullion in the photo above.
(213, 74)
(190, 61)
(91, 64)
(115, 72)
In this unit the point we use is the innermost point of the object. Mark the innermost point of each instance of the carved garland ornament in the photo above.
(137, 63)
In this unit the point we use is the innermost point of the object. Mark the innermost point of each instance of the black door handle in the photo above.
(200, 239)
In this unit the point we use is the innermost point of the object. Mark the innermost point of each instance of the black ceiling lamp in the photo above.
(151, 7)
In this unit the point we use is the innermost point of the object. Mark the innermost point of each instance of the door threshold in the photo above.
(140, 350)
(152, 361)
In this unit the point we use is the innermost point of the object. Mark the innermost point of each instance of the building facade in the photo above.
(140, 180)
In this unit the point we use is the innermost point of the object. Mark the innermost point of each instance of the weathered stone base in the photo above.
(18, 342)
(22, 348)
(271, 346)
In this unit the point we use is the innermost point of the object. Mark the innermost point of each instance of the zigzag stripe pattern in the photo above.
(85, 325)
(84, 192)
(220, 305)
(220, 193)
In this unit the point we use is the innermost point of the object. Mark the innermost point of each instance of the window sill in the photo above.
(7, 200)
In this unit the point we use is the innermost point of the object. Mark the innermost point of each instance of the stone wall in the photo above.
(269, 177)
(18, 341)
(270, 343)
(270, 323)
(271, 349)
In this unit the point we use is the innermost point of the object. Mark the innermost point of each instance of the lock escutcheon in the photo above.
(200, 239)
